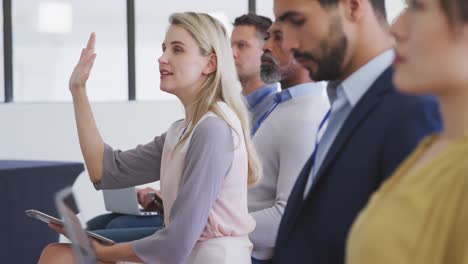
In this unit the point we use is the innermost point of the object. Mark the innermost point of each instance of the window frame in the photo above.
(8, 48)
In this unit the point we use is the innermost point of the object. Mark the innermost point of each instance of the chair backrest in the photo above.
(82, 247)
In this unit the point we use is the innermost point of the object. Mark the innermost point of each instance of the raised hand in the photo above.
(81, 72)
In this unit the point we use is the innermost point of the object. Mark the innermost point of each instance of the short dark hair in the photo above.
(456, 11)
(377, 5)
(261, 23)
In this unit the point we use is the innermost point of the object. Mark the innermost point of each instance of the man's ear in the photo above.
(355, 9)
(211, 65)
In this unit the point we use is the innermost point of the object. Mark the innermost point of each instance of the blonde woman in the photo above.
(205, 162)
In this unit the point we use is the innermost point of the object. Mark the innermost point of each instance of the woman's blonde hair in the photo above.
(222, 85)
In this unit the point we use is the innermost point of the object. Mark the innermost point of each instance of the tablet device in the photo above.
(43, 217)
(124, 201)
(50, 219)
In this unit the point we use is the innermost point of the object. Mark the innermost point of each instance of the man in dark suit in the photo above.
(370, 130)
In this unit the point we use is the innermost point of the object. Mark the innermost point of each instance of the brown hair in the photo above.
(456, 11)
(261, 23)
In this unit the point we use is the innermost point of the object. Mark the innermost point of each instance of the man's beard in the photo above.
(270, 72)
(330, 58)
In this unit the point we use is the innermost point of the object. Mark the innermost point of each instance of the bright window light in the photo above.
(394, 9)
(55, 17)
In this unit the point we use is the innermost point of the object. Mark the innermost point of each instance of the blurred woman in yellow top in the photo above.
(420, 215)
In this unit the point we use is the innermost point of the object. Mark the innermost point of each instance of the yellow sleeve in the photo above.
(462, 223)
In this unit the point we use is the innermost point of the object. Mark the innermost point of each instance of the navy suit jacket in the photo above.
(381, 131)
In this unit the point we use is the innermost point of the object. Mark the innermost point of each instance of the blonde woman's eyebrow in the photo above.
(177, 42)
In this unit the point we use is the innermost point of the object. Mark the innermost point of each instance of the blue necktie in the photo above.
(334, 122)
(280, 97)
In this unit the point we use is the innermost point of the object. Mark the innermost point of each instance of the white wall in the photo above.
(48, 132)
